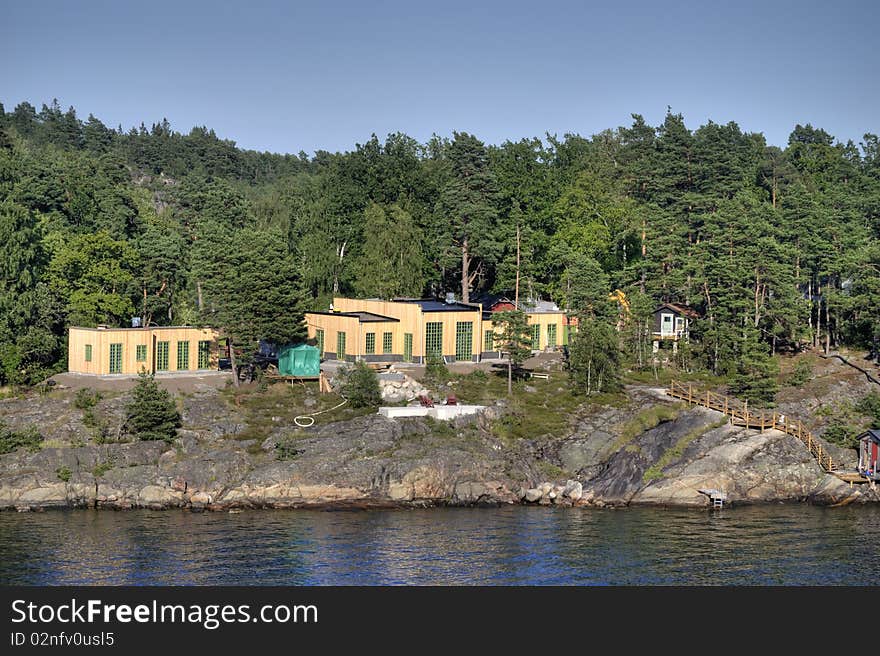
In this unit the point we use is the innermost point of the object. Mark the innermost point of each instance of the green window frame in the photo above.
(140, 352)
(434, 340)
(407, 347)
(116, 358)
(371, 344)
(319, 337)
(551, 335)
(464, 340)
(386, 342)
(340, 345)
(88, 352)
(489, 340)
(182, 356)
(204, 357)
(536, 337)
(162, 349)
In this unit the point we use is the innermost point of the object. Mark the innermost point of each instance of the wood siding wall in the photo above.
(130, 338)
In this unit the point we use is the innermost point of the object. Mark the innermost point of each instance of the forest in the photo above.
(776, 249)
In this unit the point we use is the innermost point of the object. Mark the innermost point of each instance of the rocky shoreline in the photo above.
(648, 451)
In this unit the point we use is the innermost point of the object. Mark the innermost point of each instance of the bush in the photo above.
(436, 370)
(152, 414)
(870, 407)
(361, 386)
(86, 398)
(64, 473)
(10, 440)
(801, 374)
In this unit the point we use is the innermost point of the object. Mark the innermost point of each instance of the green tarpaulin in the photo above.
(299, 360)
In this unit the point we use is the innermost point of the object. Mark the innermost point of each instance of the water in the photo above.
(791, 544)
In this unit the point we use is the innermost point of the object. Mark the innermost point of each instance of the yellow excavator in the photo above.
(619, 297)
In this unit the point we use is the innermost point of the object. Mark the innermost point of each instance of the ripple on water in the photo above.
(784, 544)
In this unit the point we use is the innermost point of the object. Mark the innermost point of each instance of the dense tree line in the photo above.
(776, 249)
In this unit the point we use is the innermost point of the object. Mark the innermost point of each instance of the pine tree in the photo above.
(514, 338)
(152, 414)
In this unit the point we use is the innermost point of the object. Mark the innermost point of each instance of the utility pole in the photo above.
(516, 293)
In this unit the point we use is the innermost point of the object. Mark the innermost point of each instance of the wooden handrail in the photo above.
(733, 407)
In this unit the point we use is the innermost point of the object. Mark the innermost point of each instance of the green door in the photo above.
(116, 358)
(464, 340)
(434, 340)
(407, 347)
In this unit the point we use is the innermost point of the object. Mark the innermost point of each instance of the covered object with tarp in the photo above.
(299, 360)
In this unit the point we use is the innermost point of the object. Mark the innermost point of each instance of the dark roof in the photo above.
(362, 317)
(873, 434)
(679, 309)
(431, 305)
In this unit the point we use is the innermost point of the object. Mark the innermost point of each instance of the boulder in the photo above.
(533, 494)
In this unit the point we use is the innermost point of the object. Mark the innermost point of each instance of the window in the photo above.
(434, 340)
(551, 334)
(371, 343)
(489, 340)
(386, 342)
(679, 324)
(340, 346)
(536, 337)
(140, 353)
(464, 340)
(116, 358)
(182, 356)
(319, 337)
(204, 354)
(407, 347)
(88, 352)
(162, 356)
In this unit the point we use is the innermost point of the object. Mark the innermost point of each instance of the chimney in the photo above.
(450, 298)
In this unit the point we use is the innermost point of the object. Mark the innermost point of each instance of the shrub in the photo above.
(10, 440)
(152, 414)
(86, 398)
(63, 473)
(361, 386)
(870, 406)
(436, 370)
(801, 374)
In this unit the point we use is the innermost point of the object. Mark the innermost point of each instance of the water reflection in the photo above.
(528, 546)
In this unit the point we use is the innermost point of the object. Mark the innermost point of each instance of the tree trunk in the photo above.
(465, 272)
(516, 293)
(235, 380)
(199, 294)
(509, 375)
(827, 325)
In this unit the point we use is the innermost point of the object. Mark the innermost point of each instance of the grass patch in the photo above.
(675, 452)
(664, 376)
(645, 420)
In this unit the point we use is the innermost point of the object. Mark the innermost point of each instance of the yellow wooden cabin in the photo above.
(415, 330)
(166, 349)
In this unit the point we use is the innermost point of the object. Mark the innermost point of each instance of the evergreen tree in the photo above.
(361, 386)
(151, 414)
(514, 338)
(467, 204)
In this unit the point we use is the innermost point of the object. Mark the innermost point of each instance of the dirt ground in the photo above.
(174, 383)
(189, 383)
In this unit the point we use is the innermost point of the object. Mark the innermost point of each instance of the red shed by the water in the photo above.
(869, 447)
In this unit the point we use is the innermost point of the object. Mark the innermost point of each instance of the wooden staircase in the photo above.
(761, 420)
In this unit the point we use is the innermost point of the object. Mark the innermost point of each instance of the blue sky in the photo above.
(291, 76)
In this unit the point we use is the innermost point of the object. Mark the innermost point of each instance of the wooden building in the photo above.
(416, 330)
(673, 322)
(166, 349)
(869, 454)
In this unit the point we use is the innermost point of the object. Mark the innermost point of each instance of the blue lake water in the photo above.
(779, 544)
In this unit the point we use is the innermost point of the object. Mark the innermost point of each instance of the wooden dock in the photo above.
(762, 420)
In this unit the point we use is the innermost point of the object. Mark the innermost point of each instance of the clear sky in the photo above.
(291, 76)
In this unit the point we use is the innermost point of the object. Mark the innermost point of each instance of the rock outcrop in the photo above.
(372, 461)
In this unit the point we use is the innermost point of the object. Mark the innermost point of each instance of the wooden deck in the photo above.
(762, 420)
